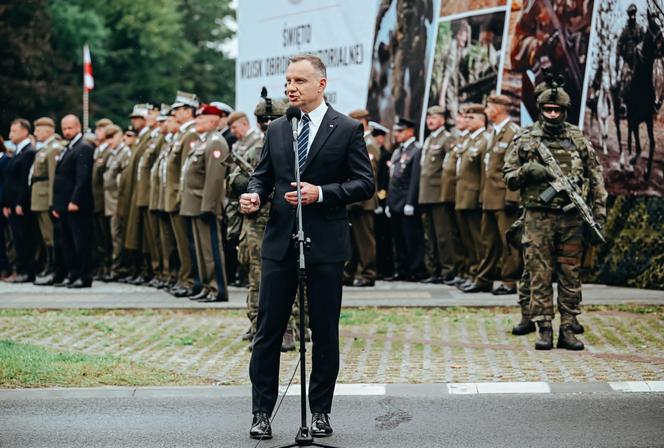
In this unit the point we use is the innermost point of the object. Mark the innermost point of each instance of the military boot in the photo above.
(545, 341)
(526, 326)
(567, 340)
(47, 277)
(577, 328)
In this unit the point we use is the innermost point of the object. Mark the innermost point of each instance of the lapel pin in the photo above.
(331, 125)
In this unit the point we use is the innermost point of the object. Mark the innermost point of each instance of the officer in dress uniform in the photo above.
(101, 231)
(203, 190)
(383, 231)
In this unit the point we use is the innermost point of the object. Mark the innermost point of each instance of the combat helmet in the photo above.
(554, 92)
(269, 109)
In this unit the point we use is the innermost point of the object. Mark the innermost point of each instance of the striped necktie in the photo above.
(303, 141)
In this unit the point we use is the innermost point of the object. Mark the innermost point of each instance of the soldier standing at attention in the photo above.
(203, 191)
(453, 250)
(361, 217)
(468, 203)
(116, 164)
(101, 232)
(436, 145)
(384, 254)
(500, 207)
(42, 177)
(183, 110)
(553, 234)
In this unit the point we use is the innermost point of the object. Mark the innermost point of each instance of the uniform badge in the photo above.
(371, 156)
(216, 154)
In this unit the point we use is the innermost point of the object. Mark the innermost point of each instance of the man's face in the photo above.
(460, 122)
(475, 121)
(151, 118)
(129, 138)
(403, 135)
(304, 86)
(182, 114)
(435, 121)
(100, 134)
(173, 124)
(17, 133)
(115, 140)
(206, 123)
(240, 128)
(380, 139)
(70, 127)
(138, 123)
(42, 133)
(551, 111)
(163, 127)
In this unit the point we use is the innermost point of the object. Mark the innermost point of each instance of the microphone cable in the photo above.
(281, 400)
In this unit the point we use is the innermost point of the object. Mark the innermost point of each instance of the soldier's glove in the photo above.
(378, 210)
(535, 172)
(387, 212)
(408, 210)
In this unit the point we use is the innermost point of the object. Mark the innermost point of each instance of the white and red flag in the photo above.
(88, 80)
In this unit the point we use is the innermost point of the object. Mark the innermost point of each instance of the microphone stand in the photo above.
(303, 437)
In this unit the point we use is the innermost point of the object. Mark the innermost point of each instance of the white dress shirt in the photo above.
(315, 119)
(22, 144)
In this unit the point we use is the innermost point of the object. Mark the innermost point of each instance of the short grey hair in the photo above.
(314, 60)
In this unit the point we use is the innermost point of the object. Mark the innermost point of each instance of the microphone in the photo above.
(293, 115)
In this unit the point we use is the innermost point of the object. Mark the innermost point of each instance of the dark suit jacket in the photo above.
(73, 177)
(338, 162)
(17, 187)
(405, 178)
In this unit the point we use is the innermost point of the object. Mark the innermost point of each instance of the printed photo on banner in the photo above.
(467, 61)
(403, 40)
(452, 7)
(548, 35)
(623, 115)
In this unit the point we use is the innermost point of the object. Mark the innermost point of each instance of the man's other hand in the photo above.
(309, 194)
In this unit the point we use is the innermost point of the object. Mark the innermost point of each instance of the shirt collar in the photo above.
(408, 142)
(499, 127)
(477, 132)
(187, 125)
(316, 115)
(22, 144)
(143, 131)
(75, 140)
(49, 140)
(437, 132)
(463, 133)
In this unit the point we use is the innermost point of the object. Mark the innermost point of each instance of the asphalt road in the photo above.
(605, 419)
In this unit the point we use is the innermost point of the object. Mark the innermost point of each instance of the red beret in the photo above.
(207, 109)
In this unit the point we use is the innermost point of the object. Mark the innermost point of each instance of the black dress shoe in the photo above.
(347, 281)
(398, 278)
(80, 283)
(201, 295)
(127, 279)
(503, 290)
(138, 280)
(320, 425)
(214, 298)
(433, 279)
(526, 326)
(418, 277)
(45, 280)
(452, 281)
(183, 292)
(154, 283)
(23, 278)
(363, 282)
(64, 283)
(260, 427)
(476, 287)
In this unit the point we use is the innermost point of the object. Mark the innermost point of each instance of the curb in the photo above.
(390, 390)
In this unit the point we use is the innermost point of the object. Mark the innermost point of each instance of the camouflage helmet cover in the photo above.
(270, 108)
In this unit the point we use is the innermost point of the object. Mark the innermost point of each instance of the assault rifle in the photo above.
(241, 162)
(563, 183)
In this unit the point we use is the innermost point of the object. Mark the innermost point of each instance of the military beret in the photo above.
(474, 109)
(45, 121)
(209, 109)
(185, 99)
(359, 114)
(103, 123)
(402, 123)
(378, 128)
(235, 116)
(225, 108)
(435, 110)
(139, 111)
(503, 100)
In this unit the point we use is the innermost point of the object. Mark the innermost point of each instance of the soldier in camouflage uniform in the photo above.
(42, 175)
(630, 37)
(553, 235)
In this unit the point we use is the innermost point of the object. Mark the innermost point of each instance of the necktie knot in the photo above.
(305, 118)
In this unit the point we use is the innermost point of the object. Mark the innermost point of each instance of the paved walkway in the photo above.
(384, 294)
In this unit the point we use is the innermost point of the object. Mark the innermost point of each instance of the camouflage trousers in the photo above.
(553, 244)
(249, 251)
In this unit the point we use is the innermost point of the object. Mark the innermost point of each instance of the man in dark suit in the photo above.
(335, 171)
(16, 200)
(73, 205)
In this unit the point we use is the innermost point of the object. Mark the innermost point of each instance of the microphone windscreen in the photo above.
(293, 112)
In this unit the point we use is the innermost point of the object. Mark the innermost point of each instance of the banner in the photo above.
(338, 31)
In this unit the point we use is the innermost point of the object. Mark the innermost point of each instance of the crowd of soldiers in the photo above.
(163, 208)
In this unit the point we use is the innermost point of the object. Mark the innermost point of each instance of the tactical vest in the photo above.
(570, 151)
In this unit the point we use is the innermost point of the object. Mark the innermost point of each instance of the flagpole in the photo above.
(85, 108)
(88, 84)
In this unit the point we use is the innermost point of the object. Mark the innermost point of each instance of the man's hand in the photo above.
(19, 210)
(6, 211)
(55, 214)
(249, 203)
(72, 208)
(309, 194)
(408, 210)
(535, 171)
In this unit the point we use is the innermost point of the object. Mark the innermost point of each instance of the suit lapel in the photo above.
(327, 126)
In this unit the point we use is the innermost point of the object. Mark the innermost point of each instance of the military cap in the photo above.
(503, 100)
(209, 109)
(164, 112)
(103, 123)
(435, 110)
(474, 109)
(111, 130)
(152, 106)
(45, 121)
(139, 111)
(130, 130)
(359, 114)
(185, 99)
(235, 116)
(225, 108)
(378, 128)
(631, 9)
(402, 123)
